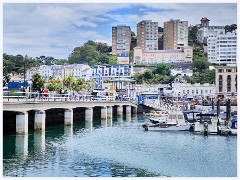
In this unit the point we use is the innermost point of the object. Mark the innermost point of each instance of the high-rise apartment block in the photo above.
(222, 48)
(147, 35)
(175, 34)
(121, 41)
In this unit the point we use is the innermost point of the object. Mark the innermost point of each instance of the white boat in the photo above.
(174, 121)
(157, 119)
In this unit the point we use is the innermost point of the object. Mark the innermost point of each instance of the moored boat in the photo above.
(174, 121)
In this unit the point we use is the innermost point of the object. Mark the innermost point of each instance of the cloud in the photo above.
(55, 29)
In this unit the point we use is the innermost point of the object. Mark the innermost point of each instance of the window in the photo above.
(220, 70)
(192, 91)
(229, 70)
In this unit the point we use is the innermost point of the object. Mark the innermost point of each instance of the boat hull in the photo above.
(168, 128)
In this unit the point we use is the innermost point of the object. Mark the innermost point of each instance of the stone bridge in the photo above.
(40, 107)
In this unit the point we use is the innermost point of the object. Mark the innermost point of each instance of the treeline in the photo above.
(161, 74)
(92, 53)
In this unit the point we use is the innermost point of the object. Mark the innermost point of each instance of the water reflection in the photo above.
(118, 152)
(68, 131)
(21, 145)
(134, 118)
(39, 141)
(89, 126)
(103, 122)
(128, 118)
(109, 122)
(120, 120)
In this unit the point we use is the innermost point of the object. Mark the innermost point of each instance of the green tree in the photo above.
(112, 59)
(131, 54)
(147, 75)
(200, 64)
(79, 84)
(6, 76)
(192, 35)
(104, 59)
(68, 81)
(138, 77)
(162, 69)
(37, 82)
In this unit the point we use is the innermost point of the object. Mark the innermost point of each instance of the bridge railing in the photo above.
(35, 96)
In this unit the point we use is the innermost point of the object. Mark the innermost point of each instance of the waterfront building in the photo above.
(151, 89)
(112, 72)
(222, 48)
(147, 35)
(181, 88)
(75, 70)
(183, 55)
(175, 34)
(67, 70)
(205, 30)
(30, 72)
(57, 71)
(226, 79)
(46, 72)
(121, 41)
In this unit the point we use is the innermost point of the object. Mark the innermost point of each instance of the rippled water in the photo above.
(123, 150)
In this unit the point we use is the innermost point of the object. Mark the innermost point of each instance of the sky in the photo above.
(55, 29)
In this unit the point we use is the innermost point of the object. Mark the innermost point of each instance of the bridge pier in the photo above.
(89, 114)
(21, 144)
(128, 110)
(109, 115)
(134, 110)
(39, 141)
(120, 111)
(68, 117)
(39, 120)
(22, 123)
(103, 113)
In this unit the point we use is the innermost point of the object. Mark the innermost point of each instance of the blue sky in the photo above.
(55, 29)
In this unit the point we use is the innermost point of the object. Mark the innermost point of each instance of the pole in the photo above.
(24, 76)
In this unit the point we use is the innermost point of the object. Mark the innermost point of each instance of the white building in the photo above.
(151, 88)
(206, 31)
(183, 72)
(57, 71)
(222, 48)
(30, 72)
(180, 88)
(111, 72)
(46, 72)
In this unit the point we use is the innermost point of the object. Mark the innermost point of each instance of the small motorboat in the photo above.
(174, 121)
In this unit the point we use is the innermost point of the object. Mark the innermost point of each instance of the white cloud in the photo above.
(55, 29)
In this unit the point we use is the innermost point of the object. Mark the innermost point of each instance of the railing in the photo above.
(35, 96)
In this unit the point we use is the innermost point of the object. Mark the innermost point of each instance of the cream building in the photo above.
(175, 34)
(226, 79)
(162, 56)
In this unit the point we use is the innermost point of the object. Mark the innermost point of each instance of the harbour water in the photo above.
(123, 150)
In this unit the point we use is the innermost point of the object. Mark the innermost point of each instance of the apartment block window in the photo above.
(220, 77)
(192, 91)
(229, 70)
(220, 70)
(187, 91)
(228, 88)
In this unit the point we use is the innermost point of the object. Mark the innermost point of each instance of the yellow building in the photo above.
(226, 79)
(183, 55)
